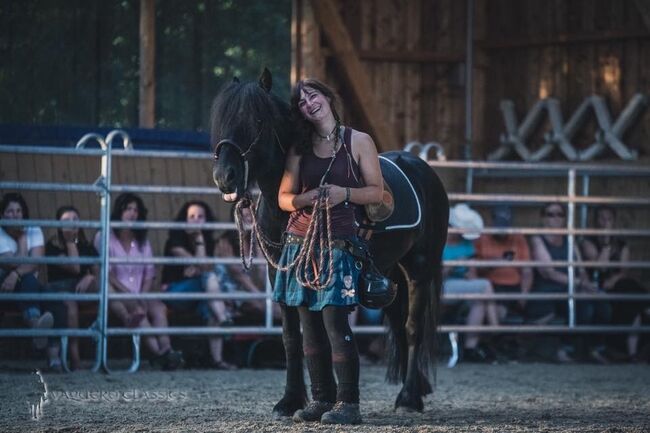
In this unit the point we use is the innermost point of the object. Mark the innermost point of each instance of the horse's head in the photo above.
(243, 134)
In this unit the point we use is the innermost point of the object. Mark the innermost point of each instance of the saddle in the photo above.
(400, 206)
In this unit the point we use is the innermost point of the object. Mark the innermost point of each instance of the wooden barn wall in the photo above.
(126, 171)
(422, 98)
(413, 53)
(568, 50)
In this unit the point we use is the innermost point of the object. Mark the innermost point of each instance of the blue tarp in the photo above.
(67, 136)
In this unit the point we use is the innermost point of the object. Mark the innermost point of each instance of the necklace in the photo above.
(331, 135)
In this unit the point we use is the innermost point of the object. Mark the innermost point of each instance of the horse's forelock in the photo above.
(240, 108)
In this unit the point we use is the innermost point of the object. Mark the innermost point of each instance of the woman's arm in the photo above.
(27, 268)
(540, 253)
(364, 151)
(611, 281)
(147, 284)
(189, 270)
(73, 251)
(288, 197)
(117, 285)
(589, 250)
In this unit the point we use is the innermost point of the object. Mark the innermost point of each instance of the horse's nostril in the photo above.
(230, 175)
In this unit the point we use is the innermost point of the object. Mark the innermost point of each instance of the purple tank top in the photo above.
(344, 172)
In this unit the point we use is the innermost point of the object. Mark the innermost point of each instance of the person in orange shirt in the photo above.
(503, 246)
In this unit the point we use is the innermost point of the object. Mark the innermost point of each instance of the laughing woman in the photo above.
(342, 163)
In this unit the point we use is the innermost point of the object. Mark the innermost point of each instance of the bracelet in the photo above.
(199, 243)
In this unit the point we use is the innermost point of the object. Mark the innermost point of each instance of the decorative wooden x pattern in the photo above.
(517, 137)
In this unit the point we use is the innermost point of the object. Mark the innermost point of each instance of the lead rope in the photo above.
(315, 230)
(306, 256)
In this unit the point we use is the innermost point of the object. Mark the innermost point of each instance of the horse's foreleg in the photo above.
(415, 384)
(295, 396)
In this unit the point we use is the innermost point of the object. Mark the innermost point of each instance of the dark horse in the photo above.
(251, 131)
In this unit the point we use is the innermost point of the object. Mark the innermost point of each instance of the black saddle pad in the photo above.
(408, 212)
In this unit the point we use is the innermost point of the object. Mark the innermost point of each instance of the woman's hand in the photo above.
(9, 283)
(587, 286)
(191, 271)
(70, 235)
(337, 194)
(22, 244)
(84, 284)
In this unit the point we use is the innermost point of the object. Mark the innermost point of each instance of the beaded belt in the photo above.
(290, 238)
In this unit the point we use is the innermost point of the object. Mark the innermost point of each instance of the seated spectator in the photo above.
(21, 241)
(505, 279)
(70, 277)
(234, 278)
(196, 243)
(463, 280)
(137, 278)
(547, 248)
(608, 248)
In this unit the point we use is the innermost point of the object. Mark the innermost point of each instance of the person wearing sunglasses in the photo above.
(550, 248)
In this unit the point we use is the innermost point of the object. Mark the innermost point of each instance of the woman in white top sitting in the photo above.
(21, 241)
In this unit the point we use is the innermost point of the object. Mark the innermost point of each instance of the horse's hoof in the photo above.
(280, 416)
(404, 410)
(408, 403)
(287, 406)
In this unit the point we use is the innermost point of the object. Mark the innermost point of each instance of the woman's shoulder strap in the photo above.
(347, 136)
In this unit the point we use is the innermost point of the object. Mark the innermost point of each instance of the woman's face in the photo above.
(605, 219)
(195, 214)
(313, 105)
(70, 216)
(554, 216)
(131, 212)
(14, 211)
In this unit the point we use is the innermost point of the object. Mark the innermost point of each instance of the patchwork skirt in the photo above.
(342, 290)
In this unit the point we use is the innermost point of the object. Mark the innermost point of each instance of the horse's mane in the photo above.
(240, 110)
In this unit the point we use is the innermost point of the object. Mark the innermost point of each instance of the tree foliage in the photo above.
(77, 61)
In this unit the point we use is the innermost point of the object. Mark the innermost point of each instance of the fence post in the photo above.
(570, 244)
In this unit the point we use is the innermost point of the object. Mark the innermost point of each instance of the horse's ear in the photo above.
(235, 80)
(266, 81)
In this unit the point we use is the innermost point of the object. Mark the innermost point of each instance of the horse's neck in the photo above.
(272, 219)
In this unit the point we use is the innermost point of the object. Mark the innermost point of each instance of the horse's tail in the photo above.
(397, 347)
(440, 221)
(429, 351)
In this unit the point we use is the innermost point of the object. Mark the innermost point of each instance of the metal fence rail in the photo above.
(104, 187)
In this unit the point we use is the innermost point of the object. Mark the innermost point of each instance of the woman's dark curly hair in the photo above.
(14, 197)
(180, 235)
(120, 205)
(304, 128)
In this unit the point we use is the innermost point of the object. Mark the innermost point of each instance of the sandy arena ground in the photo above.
(490, 398)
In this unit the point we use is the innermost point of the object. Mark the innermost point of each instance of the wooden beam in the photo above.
(338, 37)
(296, 40)
(416, 56)
(561, 39)
(147, 64)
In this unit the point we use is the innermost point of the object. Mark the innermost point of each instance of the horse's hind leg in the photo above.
(295, 396)
(416, 383)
